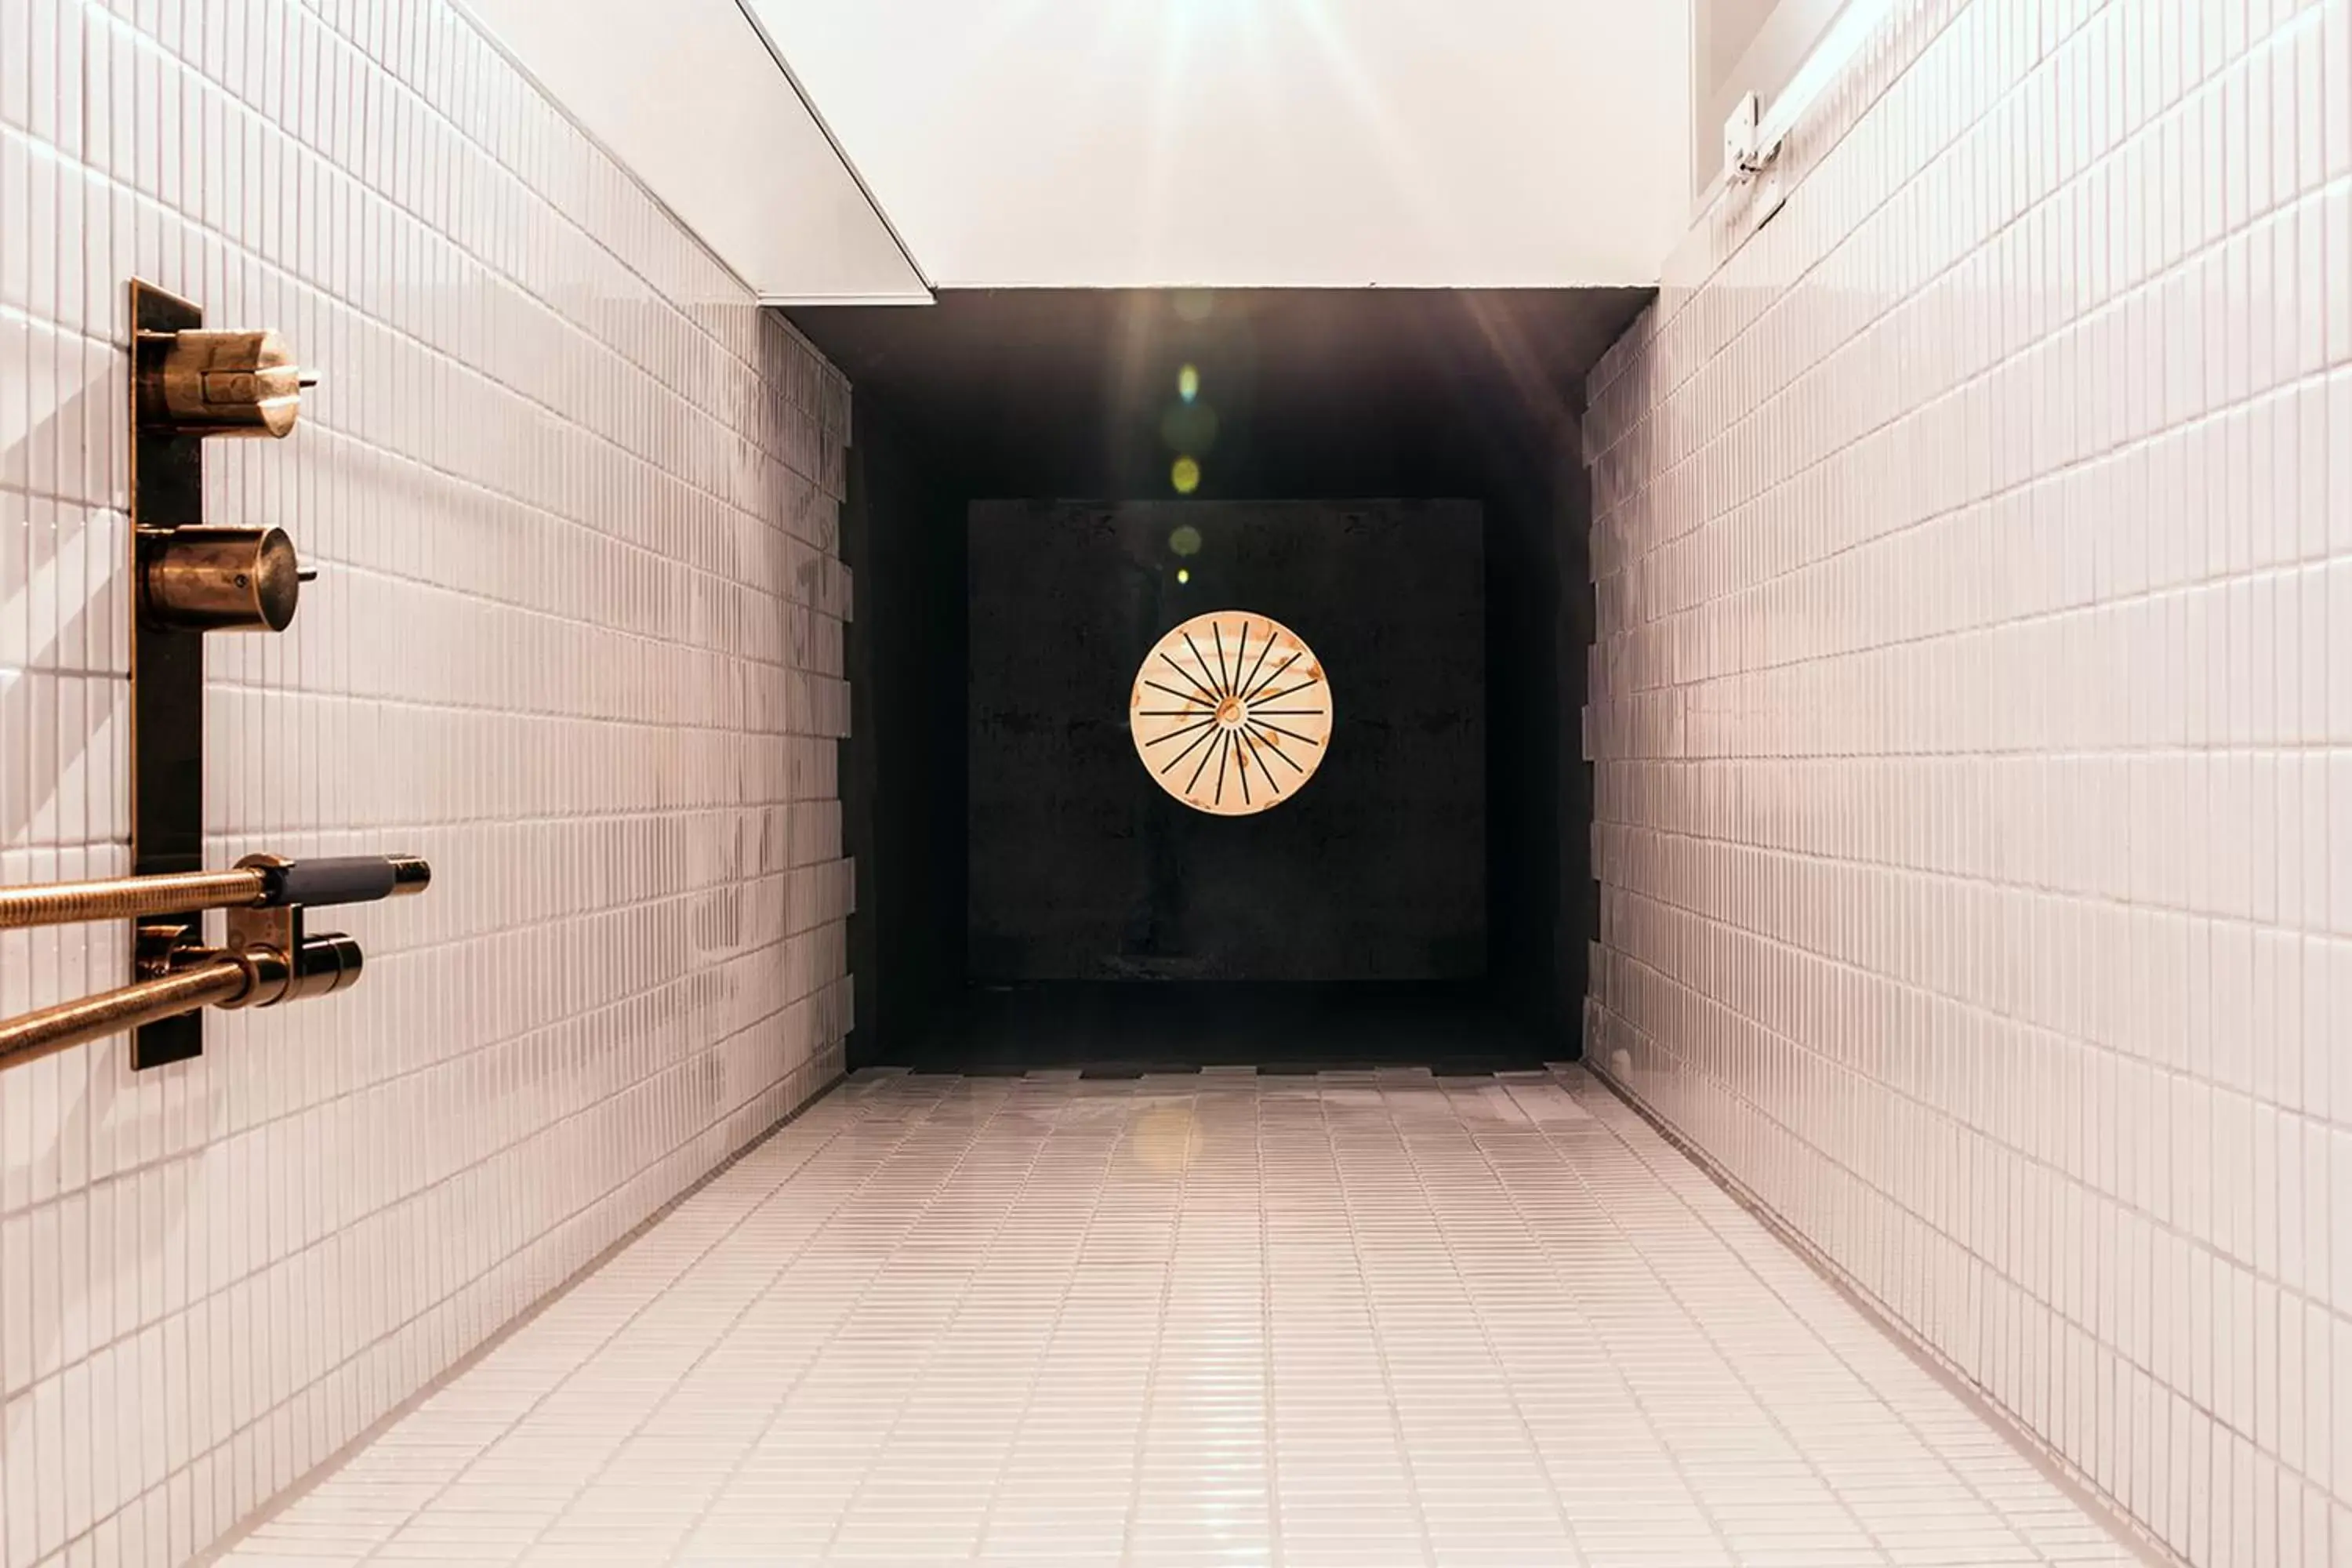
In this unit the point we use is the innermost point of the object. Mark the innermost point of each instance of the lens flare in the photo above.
(1185, 541)
(1185, 476)
(1187, 383)
(1183, 574)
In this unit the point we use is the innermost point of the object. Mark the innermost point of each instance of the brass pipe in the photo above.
(287, 967)
(128, 897)
(211, 983)
(259, 881)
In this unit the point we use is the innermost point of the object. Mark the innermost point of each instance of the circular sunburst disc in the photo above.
(1231, 712)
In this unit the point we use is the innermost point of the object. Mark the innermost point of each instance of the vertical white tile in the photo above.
(526, 340)
(2226, 294)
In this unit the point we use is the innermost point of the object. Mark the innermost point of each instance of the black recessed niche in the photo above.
(1041, 483)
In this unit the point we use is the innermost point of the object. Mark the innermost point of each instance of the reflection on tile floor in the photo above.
(1352, 1318)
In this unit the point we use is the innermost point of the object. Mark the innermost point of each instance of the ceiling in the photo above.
(865, 153)
(689, 95)
(1075, 393)
(1261, 143)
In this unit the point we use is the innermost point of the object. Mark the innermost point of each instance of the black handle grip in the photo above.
(345, 880)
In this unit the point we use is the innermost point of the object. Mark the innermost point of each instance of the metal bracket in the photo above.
(188, 579)
(167, 681)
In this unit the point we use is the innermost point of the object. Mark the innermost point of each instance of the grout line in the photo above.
(1430, 1167)
(1365, 1278)
(1830, 1345)
(1052, 1333)
(1170, 1259)
(908, 1243)
(907, 1129)
(1269, 1365)
(325, 1469)
(2053, 1467)
(1544, 1463)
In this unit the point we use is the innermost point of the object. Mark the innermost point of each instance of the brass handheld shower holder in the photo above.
(269, 956)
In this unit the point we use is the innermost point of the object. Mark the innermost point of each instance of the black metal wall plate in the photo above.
(167, 683)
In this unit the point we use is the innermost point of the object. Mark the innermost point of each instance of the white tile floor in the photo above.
(1351, 1320)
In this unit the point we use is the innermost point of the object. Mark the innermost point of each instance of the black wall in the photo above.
(902, 769)
(1539, 625)
(1319, 394)
(1082, 869)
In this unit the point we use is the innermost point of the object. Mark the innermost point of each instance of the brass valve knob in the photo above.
(197, 382)
(307, 966)
(199, 579)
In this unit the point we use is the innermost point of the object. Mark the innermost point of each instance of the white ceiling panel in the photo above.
(1261, 143)
(690, 97)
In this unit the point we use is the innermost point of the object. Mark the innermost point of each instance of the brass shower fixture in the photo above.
(196, 382)
(188, 384)
(200, 579)
(270, 956)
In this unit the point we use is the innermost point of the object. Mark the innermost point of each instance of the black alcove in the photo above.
(1010, 483)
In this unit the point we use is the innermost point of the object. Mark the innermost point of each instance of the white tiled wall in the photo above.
(577, 639)
(1972, 719)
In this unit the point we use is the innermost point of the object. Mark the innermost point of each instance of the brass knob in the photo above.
(199, 579)
(294, 971)
(196, 382)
